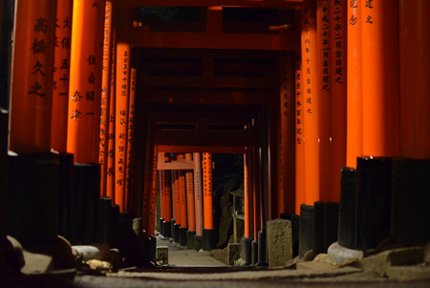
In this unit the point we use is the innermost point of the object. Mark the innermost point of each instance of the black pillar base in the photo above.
(86, 204)
(246, 250)
(347, 208)
(161, 226)
(65, 197)
(183, 236)
(198, 242)
(166, 228)
(319, 220)
(373, 201)
(176, 232)
(4, 116)
(410, 213)
(262, 259)
(254, 253)
(295, 225)
(33, 198)
(107, 223)
(150, 248)
(209, 239)
(306, 232)
(331, 225)
(191, 235)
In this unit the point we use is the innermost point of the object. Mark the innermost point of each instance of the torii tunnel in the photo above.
(107, 105)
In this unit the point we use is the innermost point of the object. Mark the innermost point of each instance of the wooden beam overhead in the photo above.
(278, 4)
(187, 40)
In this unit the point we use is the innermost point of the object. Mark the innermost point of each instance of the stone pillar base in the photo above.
(209, 239)
(254, 252)
(183, 236)
(175, 231)
(198, 242)
(166, 229)
(191, 239)
(246, 250)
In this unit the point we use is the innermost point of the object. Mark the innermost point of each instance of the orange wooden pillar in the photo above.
(130, 133)
(122, 88)
(105, 98)
(182, 209)
(414, 79)
(198, 200)
(323, 75)
(286, 163)
(60, 99)
(110, 169)
(153, 195)
(176, 206)
(191, 208)
(338, 81)
(354, 119)
(246, 194)
(32, 76)
(300, 134)
(167, 212)
(208, 231)
(85, 74)
(380, 78)
(310, 100)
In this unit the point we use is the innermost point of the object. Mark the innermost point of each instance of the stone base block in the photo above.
(190, 239)
(163, 254)
(254, 252)
(183, 236)
(209, 239)
(198, 242)
(233, 252)
(246, 250)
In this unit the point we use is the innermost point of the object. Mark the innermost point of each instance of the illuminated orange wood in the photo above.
(153, 196)
(176, 198)
(310, 100)
(300, 134)
(286, 163)
(247, 224)
(354, 121)
(207, 191)
(182, 199)
(85, 77)
(165, 192)
(110, 169)
(32, 76)
(198, 197)
(380, 55)
(338, 81)
(323, 74)
(130, 133)
(191, 209)
(256, 196)
(105, 101)
(60, 99)
(414, 78)
(204, 3)
(122, 88)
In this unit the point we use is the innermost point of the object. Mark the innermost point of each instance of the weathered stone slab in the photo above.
(279, 242)
(163, 254)
(398, 257)
(233, 252)
(339, 255)
(407, 273)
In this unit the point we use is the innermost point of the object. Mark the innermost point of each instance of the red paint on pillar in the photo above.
(198, 193)
(130, 133)
(311, 101)
(354, 119)
(105, 101)
(414, 78)
(287, 158)
(300, 134)
(60, 99)
(247, 224)
(110, 170)
(207, 191)
(191, 211)
(32, 76)
(380, 57)
(85, 81)
(182, 199)
(338, 78)
(323, 74)
(123, 60)
(153, 195)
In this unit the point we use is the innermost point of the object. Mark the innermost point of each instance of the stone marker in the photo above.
(279, 242)
(163, 254)
(233, 251)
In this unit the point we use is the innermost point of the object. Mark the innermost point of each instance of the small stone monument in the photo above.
(279, 242)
